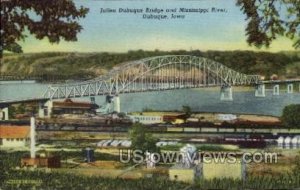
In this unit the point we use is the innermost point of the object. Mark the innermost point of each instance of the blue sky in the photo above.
(116, 32)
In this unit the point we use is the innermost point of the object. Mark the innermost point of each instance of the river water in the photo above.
(203, 100)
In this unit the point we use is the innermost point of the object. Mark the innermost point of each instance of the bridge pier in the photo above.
(260, 90)
(4, 114)
(276, 90)
(41, 112)
(117, 104)
(290, 88)
(226, 93)
(49, 107)
(45, 109)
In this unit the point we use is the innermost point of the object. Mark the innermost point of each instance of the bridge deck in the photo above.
(281, 81)
(4, 103)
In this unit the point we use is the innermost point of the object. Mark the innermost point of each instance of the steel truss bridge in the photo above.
(155, 74)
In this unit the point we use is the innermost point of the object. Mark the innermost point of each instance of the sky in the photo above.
(121, 32)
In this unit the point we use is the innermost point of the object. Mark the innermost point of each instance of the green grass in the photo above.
(41, 179)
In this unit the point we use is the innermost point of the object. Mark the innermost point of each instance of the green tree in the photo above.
(21, 109)
(291, 115)
(141, 139)
(297, 164)
(11, 112)
(55, 20)
(187, 110)
(268, 19)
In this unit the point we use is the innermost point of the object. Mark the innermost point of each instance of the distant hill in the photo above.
(89, 65)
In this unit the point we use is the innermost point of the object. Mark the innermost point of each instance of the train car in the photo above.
(252, 141)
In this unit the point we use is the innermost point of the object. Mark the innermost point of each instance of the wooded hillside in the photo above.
(89, 65)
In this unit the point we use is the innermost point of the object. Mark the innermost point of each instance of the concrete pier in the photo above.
(290, 88)
(4, 114)
(260, 90)
(226, 93)
(276, 89)
(117, 104)
(41, 113)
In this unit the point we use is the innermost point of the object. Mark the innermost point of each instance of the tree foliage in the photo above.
(297, 164)
(291, 115)
(55, 20)
(268, 19)
(141, 140)
(187, 110)
(11, 112)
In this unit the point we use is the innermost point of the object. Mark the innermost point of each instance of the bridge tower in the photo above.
(117, 101)
(260, 90)
(276, 89)
(117, 104)
(226, 93)
(41, 112)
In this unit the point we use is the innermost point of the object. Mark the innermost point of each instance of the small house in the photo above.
(14, 136)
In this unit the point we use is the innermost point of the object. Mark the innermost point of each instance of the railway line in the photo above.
(164, 129)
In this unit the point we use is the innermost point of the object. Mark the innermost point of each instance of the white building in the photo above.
(157, 117)
(226, 117)
(14, 136)
(146, 119)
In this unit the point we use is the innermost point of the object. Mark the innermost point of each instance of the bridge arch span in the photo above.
(155, 73)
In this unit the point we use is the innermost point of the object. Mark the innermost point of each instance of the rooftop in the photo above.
(13, 131)
(68, 103)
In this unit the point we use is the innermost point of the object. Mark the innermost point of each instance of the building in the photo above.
(209, 170)
(187, 175)
(14, 136)
(68, 106)
(146, 119)
(157, 117)
(227, 117)
(174, 118)
(41, 161)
